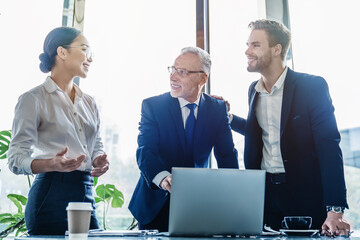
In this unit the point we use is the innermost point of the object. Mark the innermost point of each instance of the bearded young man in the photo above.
(291, 132)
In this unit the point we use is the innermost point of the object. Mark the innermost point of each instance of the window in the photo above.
(133, 43)
(323, 45)
(24, 29)
(228, 36)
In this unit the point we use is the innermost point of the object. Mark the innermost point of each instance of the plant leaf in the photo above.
(118, 193)
(110, 186)
(6, 133)
(20, 198)
(4, 140)
(117, 202)
(5, 137)
(101, 192)
(16, 202)
(23, 228)
(17, 232)
(19, 215)
(8, 220)
(95, 181)
(97, 199)
(109, 192)
(5, 215)
(3, 150)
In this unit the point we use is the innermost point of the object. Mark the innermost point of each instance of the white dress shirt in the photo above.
(185, 111)
(46, 121)
(268, 114)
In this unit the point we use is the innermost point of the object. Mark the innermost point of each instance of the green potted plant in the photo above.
(5, 137)
(108, 195)
(15, 222)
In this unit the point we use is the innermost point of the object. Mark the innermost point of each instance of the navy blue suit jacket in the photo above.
(161, 146)
(309, 139)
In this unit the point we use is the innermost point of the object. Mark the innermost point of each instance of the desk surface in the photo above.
(162, 236)
(187, 238)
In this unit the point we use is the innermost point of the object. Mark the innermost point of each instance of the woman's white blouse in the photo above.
(46, 121)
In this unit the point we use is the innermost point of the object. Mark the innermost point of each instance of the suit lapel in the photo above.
(288, 93)
(174, 108)
(252, 104)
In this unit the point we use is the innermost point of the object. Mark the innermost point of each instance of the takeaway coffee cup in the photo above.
(78, 219)
(297, 222)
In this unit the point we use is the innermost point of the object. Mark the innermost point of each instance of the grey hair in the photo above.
(204, 57)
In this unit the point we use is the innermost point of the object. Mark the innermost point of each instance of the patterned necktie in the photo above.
(189, 127)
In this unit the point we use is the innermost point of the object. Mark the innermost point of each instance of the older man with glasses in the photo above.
(178, 129)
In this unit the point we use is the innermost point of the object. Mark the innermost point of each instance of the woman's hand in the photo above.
(59, 163)
(62, 164)
(101, 165)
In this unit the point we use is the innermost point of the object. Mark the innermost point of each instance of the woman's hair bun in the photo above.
(45, 64)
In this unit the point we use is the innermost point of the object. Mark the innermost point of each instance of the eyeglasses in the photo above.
(181, 72)
(85, 49)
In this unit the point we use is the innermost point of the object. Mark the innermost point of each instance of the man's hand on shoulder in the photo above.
(227, 105)
(221, 98)
(335, 225)
(166, 183)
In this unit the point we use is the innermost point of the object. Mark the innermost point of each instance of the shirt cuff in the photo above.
(96, 154)
(159, 177)
(230, 117)
(26, 165)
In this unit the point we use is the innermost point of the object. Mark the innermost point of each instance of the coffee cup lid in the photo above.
(79, 206)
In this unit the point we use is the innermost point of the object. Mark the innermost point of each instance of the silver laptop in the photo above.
(207, 202)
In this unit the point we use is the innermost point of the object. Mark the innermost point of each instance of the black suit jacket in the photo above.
(309, 139)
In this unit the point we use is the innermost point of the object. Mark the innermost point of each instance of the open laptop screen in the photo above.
(207, 202)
